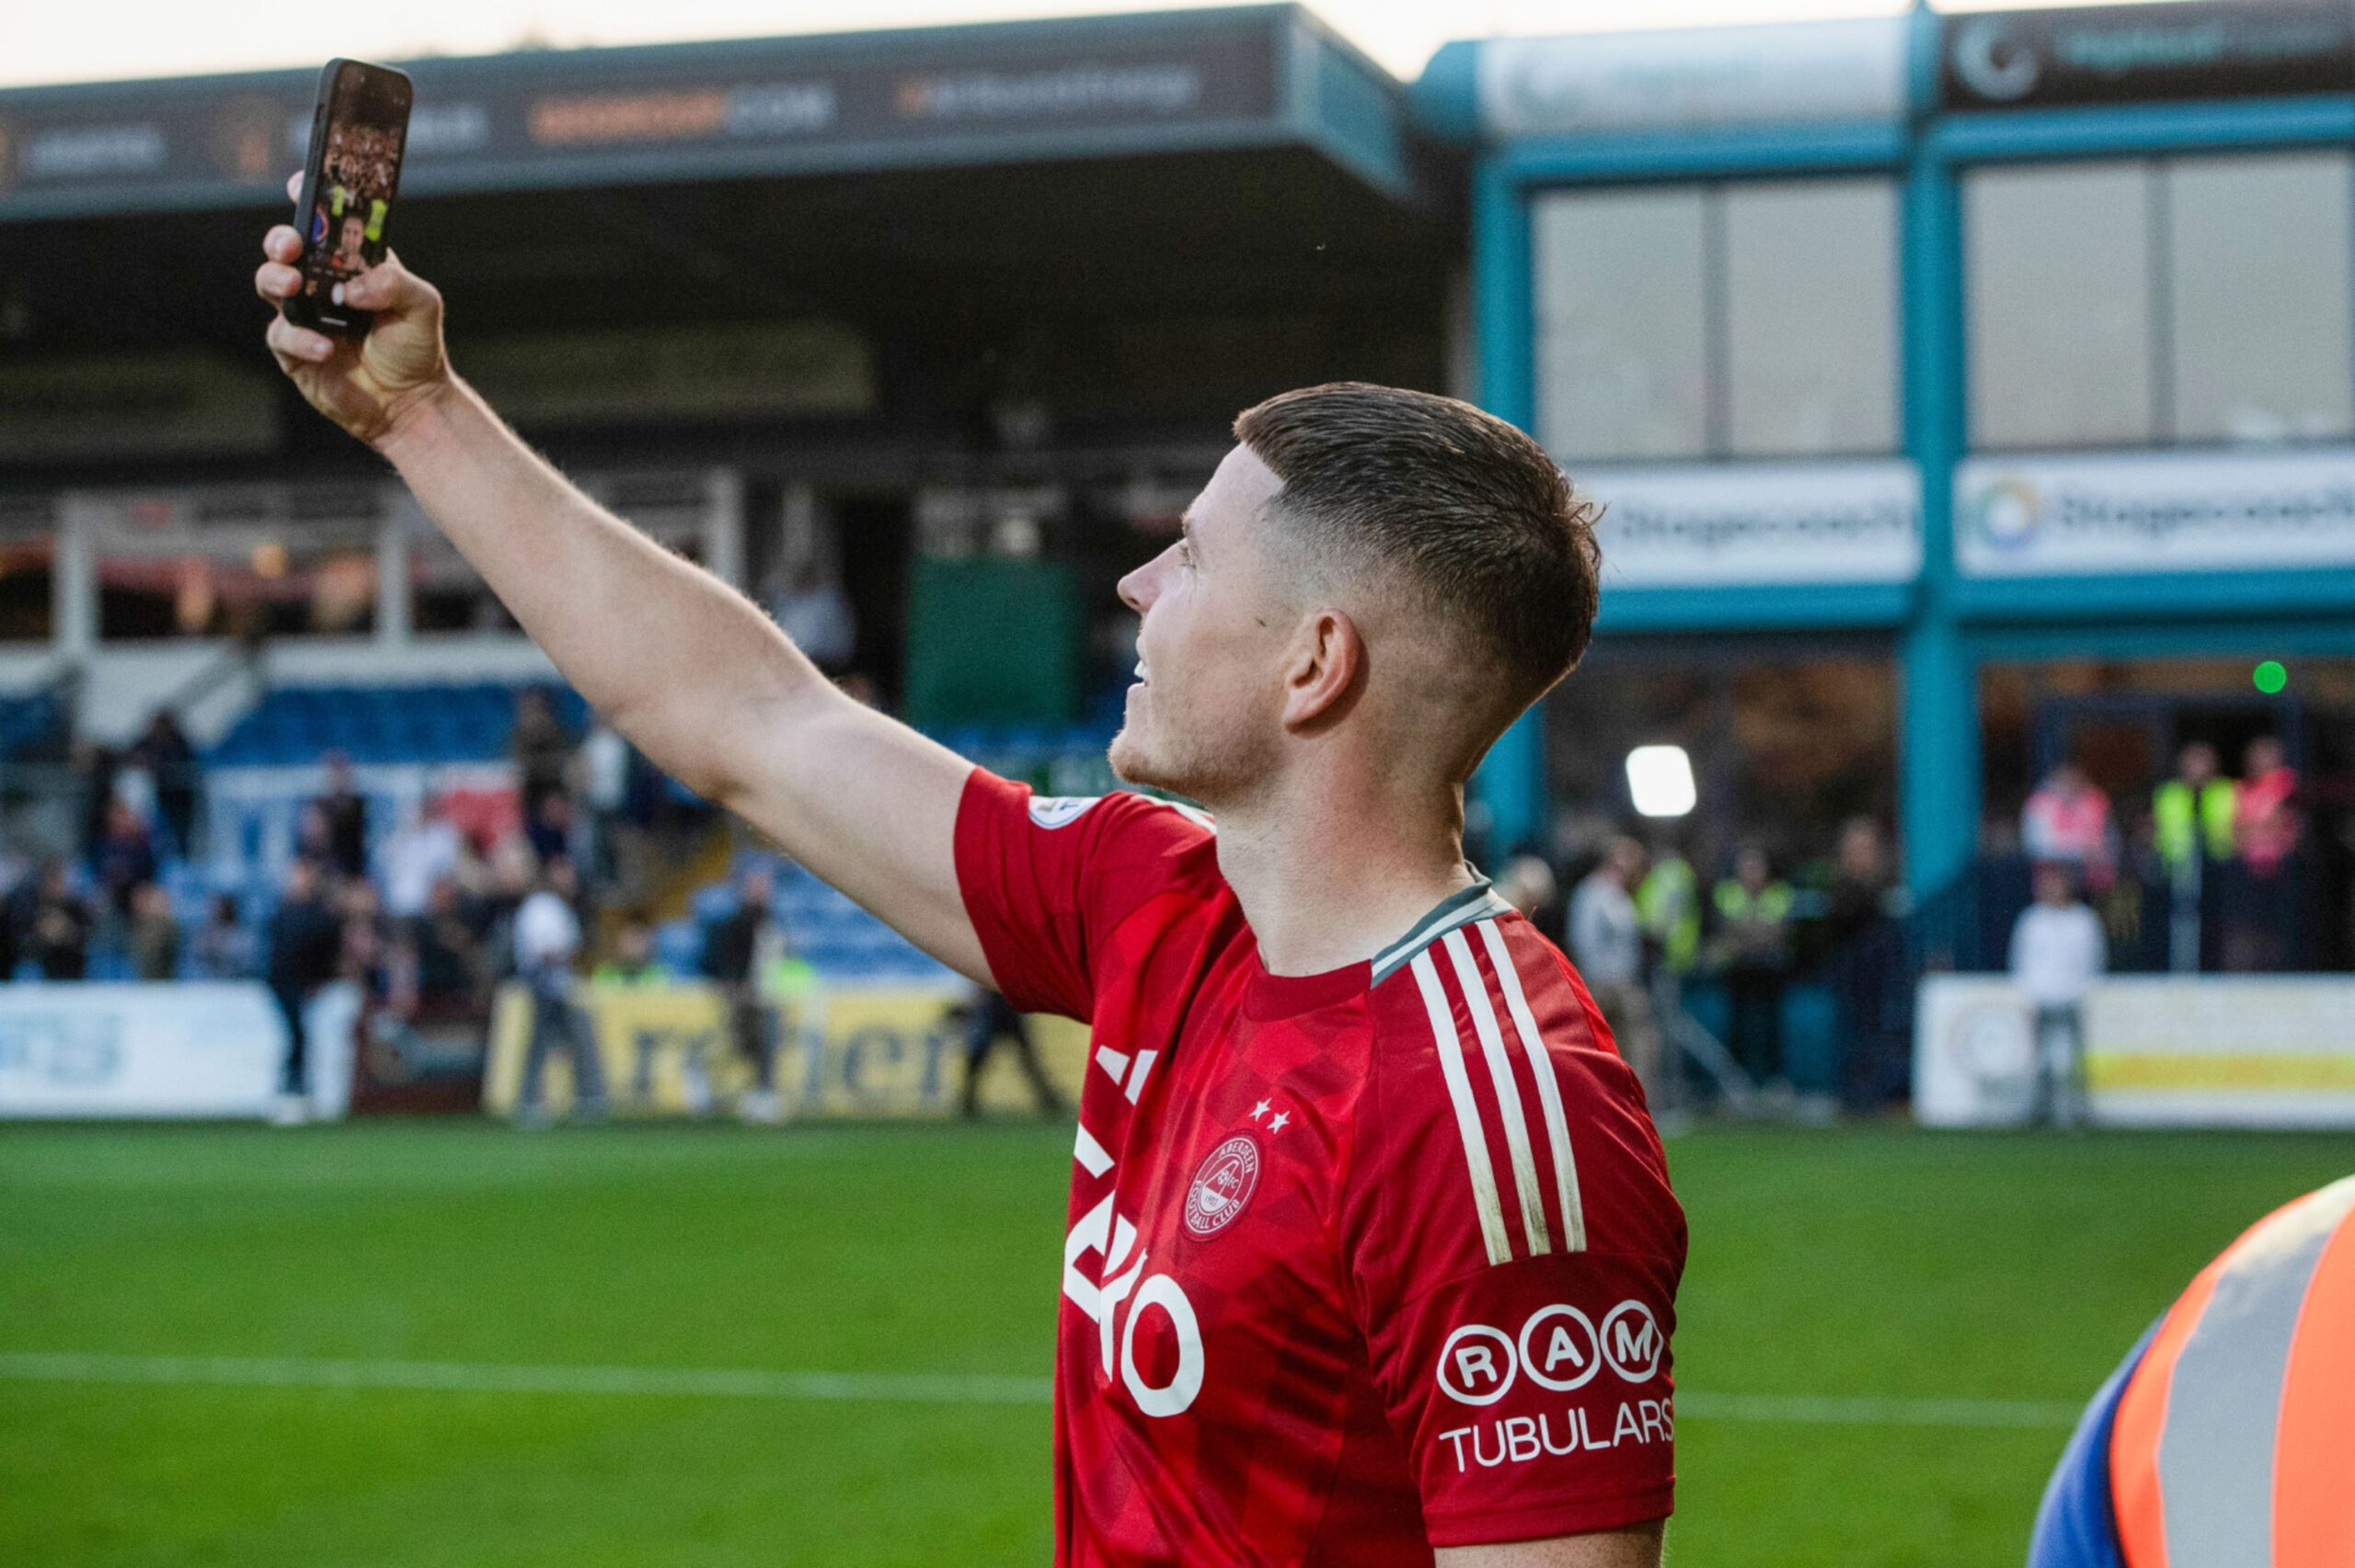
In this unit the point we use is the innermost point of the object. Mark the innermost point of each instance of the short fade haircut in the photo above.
(1468, 514)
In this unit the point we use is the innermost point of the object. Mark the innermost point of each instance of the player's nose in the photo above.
(1136, 589)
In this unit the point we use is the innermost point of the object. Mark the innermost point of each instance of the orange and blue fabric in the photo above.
(2227, 1438)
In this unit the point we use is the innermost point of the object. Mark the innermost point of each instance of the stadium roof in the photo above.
(1250, 77)
(1141, 223)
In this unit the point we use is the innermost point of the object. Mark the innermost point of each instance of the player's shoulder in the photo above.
(1493, 1096)
(1135, 837)
(1114, 832)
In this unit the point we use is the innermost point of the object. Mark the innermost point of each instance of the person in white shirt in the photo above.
(2058, 952)
(548, 940)
(414, 856)
(1607, 939)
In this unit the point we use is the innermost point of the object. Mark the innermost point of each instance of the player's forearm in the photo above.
(673, 656)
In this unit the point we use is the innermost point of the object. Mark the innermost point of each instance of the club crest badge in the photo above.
(1222, 1184)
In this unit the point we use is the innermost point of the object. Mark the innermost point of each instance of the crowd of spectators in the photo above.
(2223, 860)
(419, 911)
(1648, 932)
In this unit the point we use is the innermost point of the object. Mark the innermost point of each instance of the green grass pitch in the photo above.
(1827, 1268)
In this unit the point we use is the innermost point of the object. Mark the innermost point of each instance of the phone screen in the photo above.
(350, 185)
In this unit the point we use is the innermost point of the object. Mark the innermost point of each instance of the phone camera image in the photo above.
(355, 173)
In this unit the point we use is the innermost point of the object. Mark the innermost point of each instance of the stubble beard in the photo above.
(1205, 769)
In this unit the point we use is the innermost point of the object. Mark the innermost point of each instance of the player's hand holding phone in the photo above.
(360, 336)
(368, 383)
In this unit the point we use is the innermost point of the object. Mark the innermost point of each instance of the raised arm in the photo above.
(686, 666)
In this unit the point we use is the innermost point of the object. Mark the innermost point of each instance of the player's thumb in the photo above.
(389, 288)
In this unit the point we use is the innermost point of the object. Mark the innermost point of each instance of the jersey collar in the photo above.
(1478, 902)
(1282, 996)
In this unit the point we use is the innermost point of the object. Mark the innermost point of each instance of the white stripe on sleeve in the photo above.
(1549, 1092)
(1492, 1046)
(1467, 1114)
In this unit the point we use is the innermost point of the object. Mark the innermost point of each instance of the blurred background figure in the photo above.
(633, 962)
(415, 858)
(57, 926)
(2066, 821)
(1752, 949)
(225, 947)
(606, 763)
(541, 749)
(991, 1022)
(547, 942)
(1668, 901)
(2266, 829)
(740, 950)
(154, 935)
(2225, 1436)
(2058, 952)
(305, 949)
(453, 973)
(172, 762)
(2194, 817)
(123, 860)
(1527, 884)
(343, 818)
(1606, 940)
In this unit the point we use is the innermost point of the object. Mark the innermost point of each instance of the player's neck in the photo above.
(1332, 871)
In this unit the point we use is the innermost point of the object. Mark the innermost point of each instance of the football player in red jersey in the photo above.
(1371, 1256)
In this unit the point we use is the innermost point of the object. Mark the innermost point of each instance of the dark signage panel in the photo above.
(667, 111)
(2199, 49)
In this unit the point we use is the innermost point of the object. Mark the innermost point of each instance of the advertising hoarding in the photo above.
(1757, 523)
(188, 1049)
(2155, 512)
(2193, 49)
(1844, 70)
(2161, 1051)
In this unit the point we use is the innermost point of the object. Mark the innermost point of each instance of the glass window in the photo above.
(1811, 319)
(2191, 300)
(1787, 742)
(2258, 255)
(1622, 351)
(2058, 292)
(229, 564)
(1694, 321)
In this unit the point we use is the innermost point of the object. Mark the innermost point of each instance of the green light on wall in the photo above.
(2270, 677)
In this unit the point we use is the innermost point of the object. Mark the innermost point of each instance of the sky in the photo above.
(88, 40)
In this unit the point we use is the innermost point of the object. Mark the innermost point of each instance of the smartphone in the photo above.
(349, 178)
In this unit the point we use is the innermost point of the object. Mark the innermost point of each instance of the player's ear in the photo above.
(1326, 671)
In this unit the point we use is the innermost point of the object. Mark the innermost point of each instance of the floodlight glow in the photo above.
(1659, 780)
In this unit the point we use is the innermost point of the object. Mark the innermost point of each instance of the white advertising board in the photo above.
(202, 1048)
(2161, 1051)
(2193, 511)
(1745, 523)
(1777, 72)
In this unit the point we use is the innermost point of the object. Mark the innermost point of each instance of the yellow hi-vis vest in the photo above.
(2178, 822)
(1669, 907)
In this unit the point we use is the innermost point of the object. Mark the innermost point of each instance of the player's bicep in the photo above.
(1638, 1546)
(870, 806)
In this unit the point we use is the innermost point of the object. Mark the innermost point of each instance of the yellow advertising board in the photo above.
(889, 1052)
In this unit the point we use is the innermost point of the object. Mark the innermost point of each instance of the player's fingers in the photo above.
(389, 286)
(294, 185)
(291, 342)
(274, 280)
(281, 244)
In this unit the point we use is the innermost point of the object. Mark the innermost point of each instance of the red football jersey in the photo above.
(1358, 1264)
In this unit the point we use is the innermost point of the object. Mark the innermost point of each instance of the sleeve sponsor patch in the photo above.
(1060, 810)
